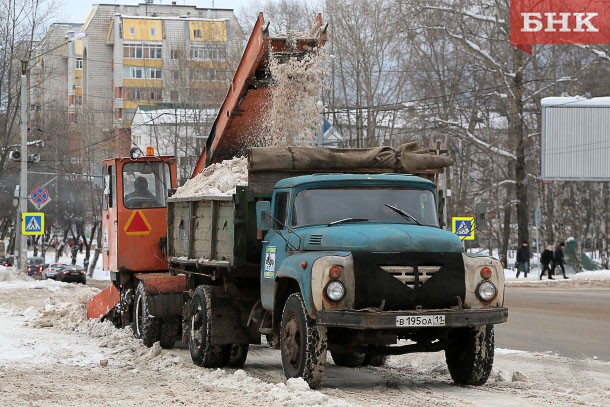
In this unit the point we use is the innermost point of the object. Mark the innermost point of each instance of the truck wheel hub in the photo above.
(291, 340)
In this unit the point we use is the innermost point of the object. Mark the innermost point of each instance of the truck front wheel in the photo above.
(302, 343)
(144, 326)
(470, 354)
(203, 352)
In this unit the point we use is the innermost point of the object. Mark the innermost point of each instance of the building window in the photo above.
(132, 31)
(197, 33)
(154, 73)
(208, 75)
(79, 63)
(175, 75)
(143, 93)
(132, 51)
(133, 72)
(152, 31)
(152, 51)
(79, 100)
(208, 53)
(174, 95)
(174, 54)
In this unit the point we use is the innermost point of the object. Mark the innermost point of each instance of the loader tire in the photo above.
(302, 343)
(470, 354)
(203, 353)
(144, 326)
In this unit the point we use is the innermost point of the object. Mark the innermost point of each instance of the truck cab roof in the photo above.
(356, 179)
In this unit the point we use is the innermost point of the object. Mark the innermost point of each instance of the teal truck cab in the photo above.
(354, 264)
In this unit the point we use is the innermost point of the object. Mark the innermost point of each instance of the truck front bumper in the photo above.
(389, 319)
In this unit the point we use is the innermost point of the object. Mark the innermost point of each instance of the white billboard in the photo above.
(575, 139)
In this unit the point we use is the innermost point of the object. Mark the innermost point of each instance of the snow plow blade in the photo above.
(100, 305)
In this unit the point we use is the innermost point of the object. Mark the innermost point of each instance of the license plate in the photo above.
(75, 273)
(421, 320)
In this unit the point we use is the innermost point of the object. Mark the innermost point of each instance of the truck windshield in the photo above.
(327, 205)
(145, 184)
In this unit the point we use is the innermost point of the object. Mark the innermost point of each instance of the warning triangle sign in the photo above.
(137, 224)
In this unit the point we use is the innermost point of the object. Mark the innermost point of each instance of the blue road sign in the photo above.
(32, 223)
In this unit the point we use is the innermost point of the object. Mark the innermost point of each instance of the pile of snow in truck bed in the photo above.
(217, 179)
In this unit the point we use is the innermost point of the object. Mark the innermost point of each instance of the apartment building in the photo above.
(95, 75)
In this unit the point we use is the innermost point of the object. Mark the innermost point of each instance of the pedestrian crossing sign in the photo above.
(463, 226)
(32, 223)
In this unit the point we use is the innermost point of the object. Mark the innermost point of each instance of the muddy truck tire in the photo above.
(348, 359)
(203, 353)
(302, 343)
(169, 332)
(470, 354)
(235, 355)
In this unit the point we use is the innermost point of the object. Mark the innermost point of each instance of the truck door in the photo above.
(274, 246)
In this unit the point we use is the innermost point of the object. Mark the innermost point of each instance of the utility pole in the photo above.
(23, 183)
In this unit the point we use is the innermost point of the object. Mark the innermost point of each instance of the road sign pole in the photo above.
(23, 183)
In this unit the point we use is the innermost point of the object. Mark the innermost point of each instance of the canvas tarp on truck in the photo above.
(267, 165)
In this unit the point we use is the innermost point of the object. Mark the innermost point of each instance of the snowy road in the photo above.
(49, 355)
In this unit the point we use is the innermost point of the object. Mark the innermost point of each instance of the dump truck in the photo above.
(353, 263)
(324, 250)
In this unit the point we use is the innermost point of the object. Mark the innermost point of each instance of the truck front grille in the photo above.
(410, 275)
(407, 280)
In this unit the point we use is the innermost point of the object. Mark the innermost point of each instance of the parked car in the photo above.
(52, 269)
(35, 266)
(72, 273)
(7, 261)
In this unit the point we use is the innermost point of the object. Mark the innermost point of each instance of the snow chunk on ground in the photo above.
(217, 179)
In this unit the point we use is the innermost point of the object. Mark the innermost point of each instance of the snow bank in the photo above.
(217, 179)
(11, 274)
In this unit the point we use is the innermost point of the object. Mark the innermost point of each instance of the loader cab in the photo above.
(134, 210)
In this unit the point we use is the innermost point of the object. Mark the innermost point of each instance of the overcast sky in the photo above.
(76, 11)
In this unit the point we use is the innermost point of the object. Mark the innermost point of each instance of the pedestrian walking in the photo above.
(559, 259)
(523, 259)
(546, 259)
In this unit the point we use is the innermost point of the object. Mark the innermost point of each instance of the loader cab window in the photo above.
(108, 195)
(280, 210)
(145, 184)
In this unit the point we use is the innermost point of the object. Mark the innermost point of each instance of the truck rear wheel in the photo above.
(144, 326)
(302, 343)
(235, 355)
(348, 359)
(374, 360)
(470, 354)
(169, 332)
(203, 352)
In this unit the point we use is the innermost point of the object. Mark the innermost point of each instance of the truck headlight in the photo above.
(486, 291)
(335, 290)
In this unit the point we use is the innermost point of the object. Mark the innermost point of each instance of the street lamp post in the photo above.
(23, 183)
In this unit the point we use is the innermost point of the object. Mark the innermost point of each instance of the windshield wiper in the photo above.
(403, 213)
(346, 220)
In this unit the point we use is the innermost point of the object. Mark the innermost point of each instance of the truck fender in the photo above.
(293, 277)
(472, 275)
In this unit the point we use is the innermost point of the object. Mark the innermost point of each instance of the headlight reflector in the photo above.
(335, 290)
(486, 291)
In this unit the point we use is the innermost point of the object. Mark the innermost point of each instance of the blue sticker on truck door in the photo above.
(269, 271)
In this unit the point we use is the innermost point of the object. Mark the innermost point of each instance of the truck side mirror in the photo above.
(263, 215)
